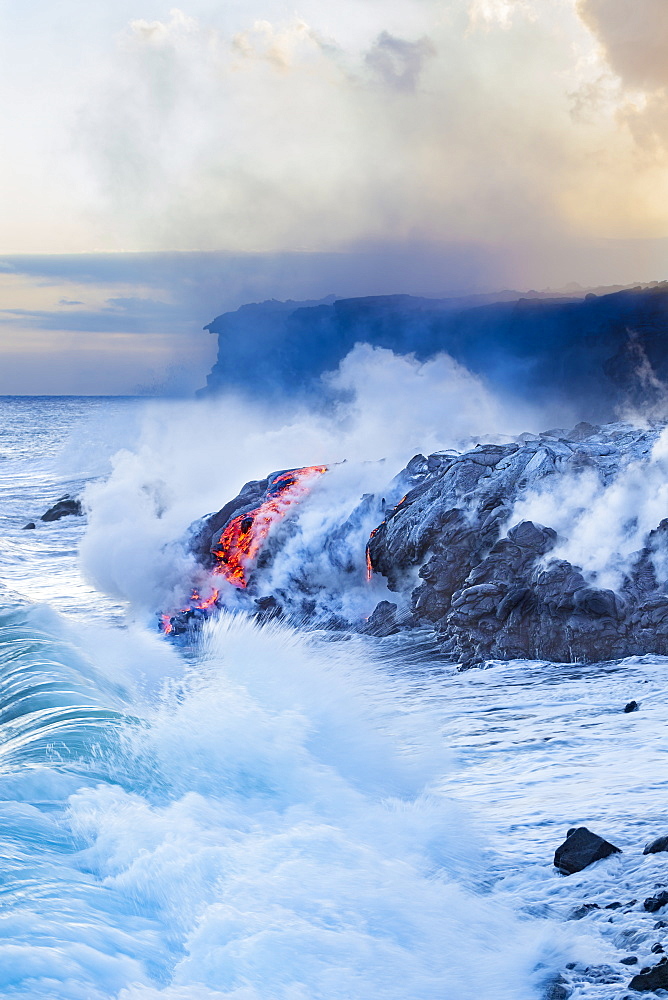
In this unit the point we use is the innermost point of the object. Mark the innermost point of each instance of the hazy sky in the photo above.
(496, 141)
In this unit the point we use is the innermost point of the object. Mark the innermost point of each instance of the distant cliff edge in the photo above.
(594, 353)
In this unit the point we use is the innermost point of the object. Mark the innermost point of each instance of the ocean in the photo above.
(270, 814)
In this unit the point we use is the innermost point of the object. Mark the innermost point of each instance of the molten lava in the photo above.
(369, 567)
(242, 539)
(240, 543)
(196, 604)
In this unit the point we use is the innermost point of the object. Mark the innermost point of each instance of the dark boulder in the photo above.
(557, 989)
(583, 430)
(28, 526)
(656, 846)
(655, 903)
(581, 849)
(631, 960)
(583, 910)
(632, 706)
(528, 535)
(654, 979)
(383, 621)
(268, 609)
(65, 507)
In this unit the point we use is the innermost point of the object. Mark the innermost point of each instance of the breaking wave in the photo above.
(264, 822)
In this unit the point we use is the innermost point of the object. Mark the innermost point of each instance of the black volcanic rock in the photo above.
(657, 846)
(491, 584)
(654, 979)
(491, 588)
(657, 902)
(65, 507)
(383, 621)
(581, 849)
(268, 609)
(557, 989)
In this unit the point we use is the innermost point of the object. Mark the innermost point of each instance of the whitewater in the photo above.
(270, 814)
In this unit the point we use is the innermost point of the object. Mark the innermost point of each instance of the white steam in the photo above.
(193, 457)
(601, 525)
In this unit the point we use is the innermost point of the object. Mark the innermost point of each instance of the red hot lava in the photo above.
(196, 604)
(369, 567)
(242, 539)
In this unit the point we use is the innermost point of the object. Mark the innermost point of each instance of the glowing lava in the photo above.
(369, 567)
(242, 539)
(196, 604)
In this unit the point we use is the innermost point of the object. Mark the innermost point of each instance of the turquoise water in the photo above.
(279, 816)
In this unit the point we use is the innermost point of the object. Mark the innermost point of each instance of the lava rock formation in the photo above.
(491, 588)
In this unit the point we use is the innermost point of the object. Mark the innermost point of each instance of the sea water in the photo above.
(273, 815)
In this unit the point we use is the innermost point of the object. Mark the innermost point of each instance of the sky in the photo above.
(161, 165)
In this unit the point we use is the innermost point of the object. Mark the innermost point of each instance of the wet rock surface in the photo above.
(67, 506)
(491, 584)
(655, 903)
(557, 989)
(657, 846)
(496, 589)
(383, 621)
(581, 849)
(655, 978)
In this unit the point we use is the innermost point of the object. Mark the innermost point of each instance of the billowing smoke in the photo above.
(602, 523)
(193, 457)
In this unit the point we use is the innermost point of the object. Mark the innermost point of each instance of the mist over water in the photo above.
(266, 814)
(191, 457)
(265, 822)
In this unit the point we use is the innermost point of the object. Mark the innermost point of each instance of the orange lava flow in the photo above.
(369, 567)
(196, 603)
(203, 605)
(242, 539)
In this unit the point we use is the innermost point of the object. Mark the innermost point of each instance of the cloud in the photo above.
(399, 63)
(236, 128)
(118, 315)
(288, 133)
(634, 34)
(499, 12)
(634, 39)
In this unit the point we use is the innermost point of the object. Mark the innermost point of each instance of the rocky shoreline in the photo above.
(65, 506)
(492, 588)
(461, 561)
(581, 849)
